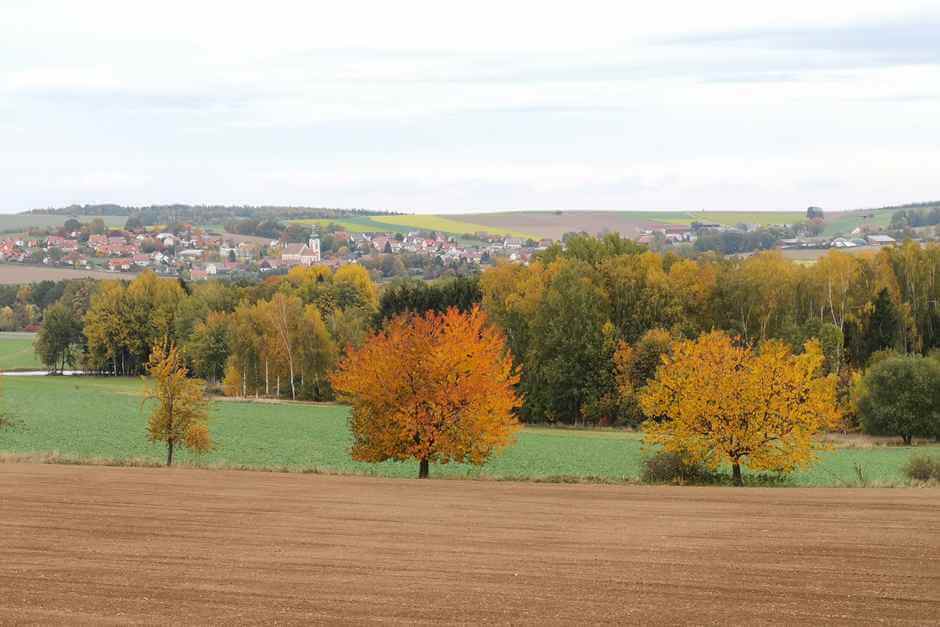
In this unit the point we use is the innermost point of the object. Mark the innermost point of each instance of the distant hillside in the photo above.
(203, 214)
(525, 224)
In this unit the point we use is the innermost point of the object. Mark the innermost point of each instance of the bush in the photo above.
(675, 468)
(922, 468)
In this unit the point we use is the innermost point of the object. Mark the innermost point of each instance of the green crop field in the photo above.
(102, 418)
(16, 352)
(764, 218)
(845, 223)
(16, 223)
(727, 218)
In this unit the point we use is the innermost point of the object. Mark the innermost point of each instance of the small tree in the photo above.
(900, 396)
(438, 387)
(181, 415)
(725, 403)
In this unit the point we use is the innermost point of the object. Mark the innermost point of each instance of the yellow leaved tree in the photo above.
(181, 414)
(436, 388)
(721, 402)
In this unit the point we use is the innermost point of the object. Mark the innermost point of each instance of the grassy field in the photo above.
(102, 418)
(845, 223)
(16, 223)
(16, 352)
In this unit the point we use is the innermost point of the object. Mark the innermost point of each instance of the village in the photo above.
(196, 254)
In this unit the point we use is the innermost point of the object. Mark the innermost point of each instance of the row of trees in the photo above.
(280, 337)
(574, 319)
(566, 315)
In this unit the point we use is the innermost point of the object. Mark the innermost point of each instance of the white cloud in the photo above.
(439, 106)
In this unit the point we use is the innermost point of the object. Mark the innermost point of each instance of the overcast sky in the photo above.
(470, 106)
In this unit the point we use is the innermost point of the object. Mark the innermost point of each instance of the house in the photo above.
(513, 242)
(120, 264)
(305, 254)
(678, 233)
(841, 242)
(379, 242)
(881, 240)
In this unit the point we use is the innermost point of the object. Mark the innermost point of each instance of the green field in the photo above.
(16, 352)
(102, 418)
(845, 223)
(727, 218)
(763, 218)
(16, 223)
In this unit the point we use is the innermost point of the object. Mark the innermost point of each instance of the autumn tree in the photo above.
(635, 365)
(721, 402)
(181, 414)
(125, 321)
(433, 387)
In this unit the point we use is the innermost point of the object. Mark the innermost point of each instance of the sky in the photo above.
(448, 107)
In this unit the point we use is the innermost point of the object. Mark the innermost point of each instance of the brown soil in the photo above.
(14, 274)
(89, 545)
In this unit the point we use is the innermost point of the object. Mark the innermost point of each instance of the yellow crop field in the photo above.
(447, 225)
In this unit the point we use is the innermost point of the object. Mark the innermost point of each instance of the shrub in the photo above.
(922, 468)
(675, 468)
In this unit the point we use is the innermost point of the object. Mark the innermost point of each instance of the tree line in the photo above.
(573, 319)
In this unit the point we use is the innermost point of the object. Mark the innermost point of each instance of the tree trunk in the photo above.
(293, 393)
(736, 474)
(169, 453)
(423, 469)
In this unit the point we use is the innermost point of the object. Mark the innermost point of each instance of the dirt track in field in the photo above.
(122, 545)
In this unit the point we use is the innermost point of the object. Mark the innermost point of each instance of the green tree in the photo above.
(207, 349)
(900, 396)
(568, 362)
(60, 334)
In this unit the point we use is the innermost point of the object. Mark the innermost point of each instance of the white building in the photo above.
(305, 254)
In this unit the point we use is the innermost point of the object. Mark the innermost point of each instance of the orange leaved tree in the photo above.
(181, 415)
(436, 388)
(720, 402)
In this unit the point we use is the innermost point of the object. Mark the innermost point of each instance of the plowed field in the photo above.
(82, 544)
